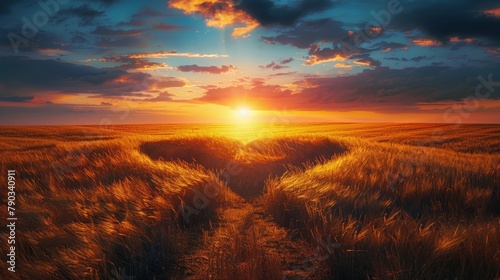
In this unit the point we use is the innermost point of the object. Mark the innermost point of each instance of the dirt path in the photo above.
(247, 244)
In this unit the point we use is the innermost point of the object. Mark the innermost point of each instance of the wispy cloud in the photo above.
(206, 69)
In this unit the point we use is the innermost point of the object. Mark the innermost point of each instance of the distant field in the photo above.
(260, 201)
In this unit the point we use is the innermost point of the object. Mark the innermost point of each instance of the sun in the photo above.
(244, 112)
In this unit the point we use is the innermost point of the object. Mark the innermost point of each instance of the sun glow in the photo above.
(244, 112)
(243, 115)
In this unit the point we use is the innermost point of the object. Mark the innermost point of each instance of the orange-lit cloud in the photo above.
(426, 42)
(52, 52)
(314, 60)
(206, 69)
(219, 14)
(318, 55)
(493, 12)
(163, 54)
(362, 63)
(343, 65)
(458, 40)
(494, 51)
(388, 49)
(137, 64)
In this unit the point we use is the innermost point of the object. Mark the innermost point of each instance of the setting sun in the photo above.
(244, 112)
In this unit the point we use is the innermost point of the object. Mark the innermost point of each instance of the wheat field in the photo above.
(255, 201)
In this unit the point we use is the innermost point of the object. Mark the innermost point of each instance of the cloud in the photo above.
(106, 3)
(419, 58)
(389, 88)
(17, 98)
(279, 65)
(219, 14)
(286, 60)
(128, 63)
(163, 54)
(308, 32)
(117, 42)
(426, 42)
(342, 65)
(85, 13)
(5, 6)
(365, 60)
(206, 69)
(148, 20)
(141, 61)
(442, 21)
(273, 65)
(258, 95)
(319, 55)
(493, 12)
(162, 97)
(44, 40)
(79, 37)
(103, 30)
(380, 89)
(249, 14)
(119, 38)
(390, 46)
(21, 76)
(283, 74)
(266, 12)
(166, 27)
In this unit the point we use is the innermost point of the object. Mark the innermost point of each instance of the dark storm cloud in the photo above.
(308, 32)
(442, 21)
(266, 12)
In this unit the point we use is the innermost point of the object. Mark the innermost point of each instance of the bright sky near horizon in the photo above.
(123, 61)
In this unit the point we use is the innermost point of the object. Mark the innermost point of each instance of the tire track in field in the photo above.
(247, 244)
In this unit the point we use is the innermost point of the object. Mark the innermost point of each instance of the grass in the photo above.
(397, 212)
(376, 201)
(88, 210)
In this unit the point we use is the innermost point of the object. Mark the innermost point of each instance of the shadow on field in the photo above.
(245, 168)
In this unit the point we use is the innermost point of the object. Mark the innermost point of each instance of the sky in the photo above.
(103, 62)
